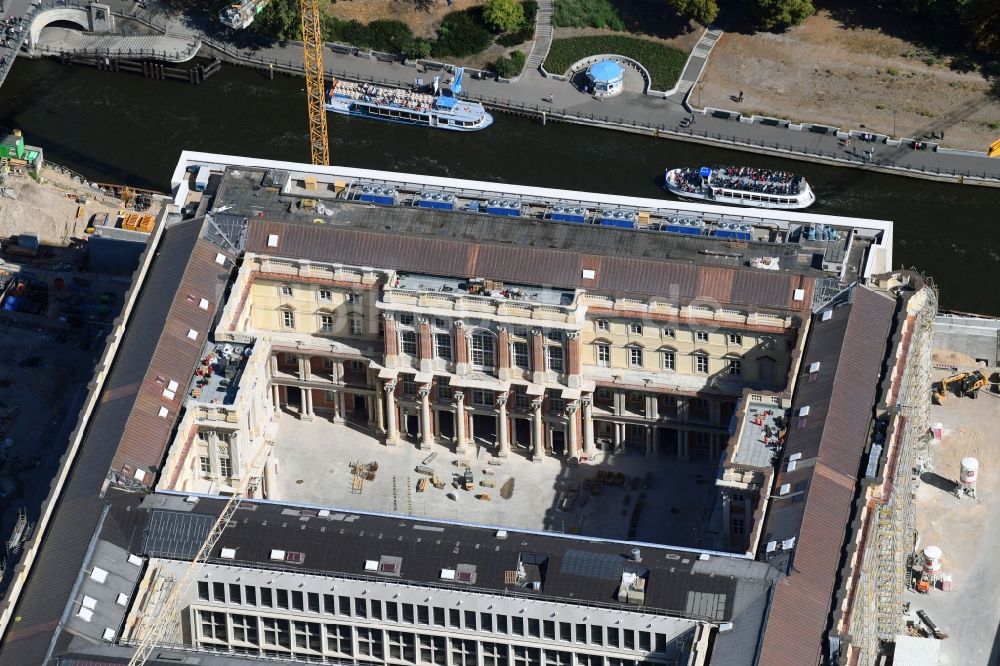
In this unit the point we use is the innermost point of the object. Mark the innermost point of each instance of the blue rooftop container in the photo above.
(618, 218)
(386, 196)
(576, 214)
(504, 207)
(437, 200)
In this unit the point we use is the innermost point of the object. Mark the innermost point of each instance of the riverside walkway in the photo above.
(630, 111)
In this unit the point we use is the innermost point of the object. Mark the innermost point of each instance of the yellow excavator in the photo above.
(968, 384)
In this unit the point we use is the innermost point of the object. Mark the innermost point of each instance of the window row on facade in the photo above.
(269, 636)
(639, 329)
(392, 612)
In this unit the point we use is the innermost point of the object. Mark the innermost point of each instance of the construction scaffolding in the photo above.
(877, 613)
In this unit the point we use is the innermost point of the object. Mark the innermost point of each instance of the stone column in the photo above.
(573, 433)
(537, 357)
(503, 435)
(276, 399)
(426, 432)
(461, 348)
(305, 367)
(649, 440)
(379, 421)
(338, 371)
(341, 414)
(425, 345)
(390, 339)
(270, 479)
(459, 421)
(307, 405)
(574, 360)
(392, 429)
(370, 412)
(683, 445)
(619, 436)
(588, 426)
(537, 431)
(272, 365)
(618, 398)
(503, 353)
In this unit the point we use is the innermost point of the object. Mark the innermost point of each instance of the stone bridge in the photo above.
(94, 18)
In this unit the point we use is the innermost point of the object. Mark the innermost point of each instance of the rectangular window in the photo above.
(738, 525)
(534, 628)
(635, 357)
(409, 387)
(391, 611)
(370, 642)
(555, 356)
(219, 592)
(520, 397)
(629, 639)
(494, 654)
(604, 356)
(554, 336)
(613, 637)
(520, 354)
(244, 628)
(502, 624)
(353, 299)
(556, 405)
(326, 323)
(288, 319)
(442, 346)
(644, 642)
(565, 631)
(701, 336)
(454, 618)
(408, 343)
(438, 617)
(360, 608)
(266, 599)
(329, 604)
(701, 364)
(735, 339)
(596, 634)
(408, 614)
(250, 594)
(325, 295)
(581, 633)
(345, 605)
(483, 397)
(635, 328)
(235, 593)
(433, 650)
(444, 391)
(669, 360)
(203, 590)
(205, 464)
(517, 626)
(339, 639)
(356, 326)
(282, 599)
(286, 290)
(376, 609)
(406, 319)
(312, 598)
(486, 621)
(225, 468)
(735, 366)
(669, 333)
(603, 325)
(482, 350)
(470, 620)
(549, 630)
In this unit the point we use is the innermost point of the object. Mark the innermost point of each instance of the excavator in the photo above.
(968, 384)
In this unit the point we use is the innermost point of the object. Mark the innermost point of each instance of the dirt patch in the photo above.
(825, 72)
(422, 17)
(507, 489)
(49, 209)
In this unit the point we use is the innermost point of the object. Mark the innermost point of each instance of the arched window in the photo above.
(483, 349)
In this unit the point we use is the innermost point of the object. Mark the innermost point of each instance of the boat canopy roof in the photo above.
(445, 102)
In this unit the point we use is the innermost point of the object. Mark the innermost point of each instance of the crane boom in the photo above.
(167, 614)
(312, 44)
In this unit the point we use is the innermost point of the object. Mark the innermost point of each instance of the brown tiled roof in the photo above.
(851, 348)
(174, 356)
(673, 279)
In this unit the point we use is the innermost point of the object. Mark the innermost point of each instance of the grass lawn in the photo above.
(664, 63)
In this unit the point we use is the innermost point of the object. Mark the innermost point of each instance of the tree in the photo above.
(983, 20)
(503, 15)
(782, 13)
(280, 20)
(418, 48)
(702, 11)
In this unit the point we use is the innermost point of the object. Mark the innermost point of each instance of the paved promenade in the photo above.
(632, 111)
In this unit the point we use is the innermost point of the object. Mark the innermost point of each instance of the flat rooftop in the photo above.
(217, 377)
(660, 500)
(759, 440)
(513, 292)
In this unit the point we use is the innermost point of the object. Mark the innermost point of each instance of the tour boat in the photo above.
(741, 186)
(440, 108)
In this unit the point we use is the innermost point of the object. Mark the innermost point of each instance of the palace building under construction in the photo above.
(458, 423)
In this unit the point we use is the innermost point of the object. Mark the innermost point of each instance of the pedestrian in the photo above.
(740, 98)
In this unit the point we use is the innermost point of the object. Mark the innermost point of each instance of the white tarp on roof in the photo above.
(914, 651)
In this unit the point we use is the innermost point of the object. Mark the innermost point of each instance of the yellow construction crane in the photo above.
(312, 44)
(152, 629)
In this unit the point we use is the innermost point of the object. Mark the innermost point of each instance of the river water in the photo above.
(122, 128)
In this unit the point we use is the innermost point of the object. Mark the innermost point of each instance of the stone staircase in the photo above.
(153, 47)
(543, 35)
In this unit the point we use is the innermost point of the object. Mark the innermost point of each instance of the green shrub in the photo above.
(508, 67)
(382, 35)
(664, 63)
(587, 14)
(462, 34)
(527, 31)
(503, 15)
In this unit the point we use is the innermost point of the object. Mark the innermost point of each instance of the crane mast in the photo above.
(312, 44)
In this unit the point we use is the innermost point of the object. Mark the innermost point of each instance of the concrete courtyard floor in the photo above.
(678, 507)
(966, 530)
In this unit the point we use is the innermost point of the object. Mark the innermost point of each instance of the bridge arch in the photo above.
(76, 15)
